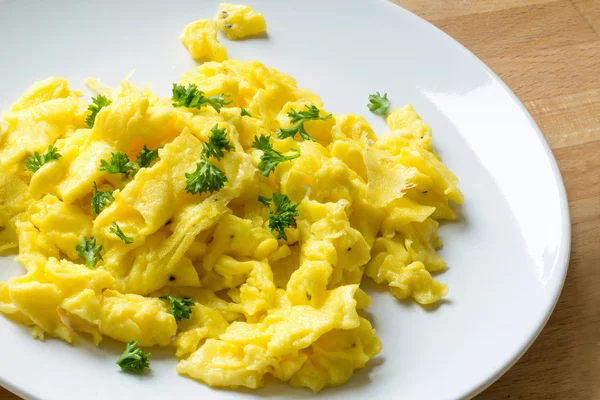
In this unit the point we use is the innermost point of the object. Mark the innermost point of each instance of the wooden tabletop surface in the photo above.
(548, 52)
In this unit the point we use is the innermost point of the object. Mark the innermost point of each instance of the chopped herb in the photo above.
(101, 199)
(298, 118)
(217, 142)
(192, 97)
(36, 161)
(89, 252)
(146, 157)
(265, 200)
(134, 359)
(379, 104)
(245, 112)
(117, 231)
(98, 103)
(180, 308)
(206, 178)
(271, 157)
(283, 216)
(119, 164)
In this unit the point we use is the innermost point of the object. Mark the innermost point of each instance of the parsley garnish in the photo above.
(117, 231)
(119, 164)
(379, 104)
(217, 142)
(298, 118)
(89, 251)
(134, 359)
(192, 97)
(98, 103)
(283, 216)
(146, 157)
(265, 200)
(180, 308)
(245, 112)
(101, 199)
(271, 157)
(36, 161)
(206, 178)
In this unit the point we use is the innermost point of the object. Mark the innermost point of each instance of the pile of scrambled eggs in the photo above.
(263, 305)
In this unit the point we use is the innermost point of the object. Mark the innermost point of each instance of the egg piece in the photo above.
(200, 38)
(60, 225)
(128, 317)
(392, 263)
(40, 302)
(14, 199)
(387, 179)
(46, 112)
(204, 323)
(238, 237)
(245, 353)
(239, 21)
(336, 355)
(72, 278)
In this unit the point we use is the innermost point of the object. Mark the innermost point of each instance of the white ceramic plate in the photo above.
(508, 253)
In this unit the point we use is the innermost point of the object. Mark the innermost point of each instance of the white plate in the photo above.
(508, 254)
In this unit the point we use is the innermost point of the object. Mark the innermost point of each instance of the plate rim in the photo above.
(563, 255)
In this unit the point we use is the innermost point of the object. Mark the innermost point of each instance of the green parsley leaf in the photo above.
(265, 200)
(298, 118)
(89, 251)
(101, 199)
(134, 359)
(245, 112)
(98, 103)
(117, 231)
(119, 164)
(192, 97)
(379, 104)
(180, 308)
(146, 157)
(217, 142)
(283, 216)
(36, 161)
(271, 157)
(206, 178)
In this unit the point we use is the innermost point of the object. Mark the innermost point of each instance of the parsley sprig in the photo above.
(146, 157)
(265, 200)
(101, 199)
(98, 103)
(119, 164)
(205, 179)
(36, 161)
(89, 251)
(284, 215)
(180, 308)
(298, 118)
(134, 359)
(271, 157)
(117, 231)
(217, 143)
(192, 97)
(379, 104)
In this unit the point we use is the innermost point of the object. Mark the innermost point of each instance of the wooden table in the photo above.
(548, 52)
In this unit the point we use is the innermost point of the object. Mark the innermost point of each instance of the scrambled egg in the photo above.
(368, 207)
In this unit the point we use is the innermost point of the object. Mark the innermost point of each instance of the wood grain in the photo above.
(548, 52)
